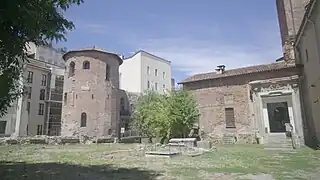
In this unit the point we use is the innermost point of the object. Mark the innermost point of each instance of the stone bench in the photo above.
(67, 140)
(131, 139)
(105, 140)
(37, 141)
(190, 142)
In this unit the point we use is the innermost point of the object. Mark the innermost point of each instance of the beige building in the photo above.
(28, 114)
(254, 101)
(308, 55)
(91, 93)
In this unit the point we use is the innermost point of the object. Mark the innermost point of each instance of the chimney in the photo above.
(220, 69)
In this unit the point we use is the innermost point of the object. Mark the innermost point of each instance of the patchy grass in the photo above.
(127, 161)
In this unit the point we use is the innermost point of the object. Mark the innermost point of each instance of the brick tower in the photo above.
(91, 84)
(290, 15)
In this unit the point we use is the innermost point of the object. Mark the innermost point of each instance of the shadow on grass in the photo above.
(55, 171)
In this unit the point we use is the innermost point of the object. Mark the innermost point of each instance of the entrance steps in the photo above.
(278, 141)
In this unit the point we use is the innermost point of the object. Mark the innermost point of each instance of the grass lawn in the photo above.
(119, 161)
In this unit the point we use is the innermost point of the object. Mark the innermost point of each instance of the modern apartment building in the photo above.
(143, 71)
(39, 110)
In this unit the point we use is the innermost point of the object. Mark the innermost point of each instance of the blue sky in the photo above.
(195, 36)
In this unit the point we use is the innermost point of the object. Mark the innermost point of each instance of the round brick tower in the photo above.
(91, 84)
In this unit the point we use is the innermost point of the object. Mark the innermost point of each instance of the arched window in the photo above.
(122, 104)
(72, 66)
(83, 120)
(107, 72)
(86, 65)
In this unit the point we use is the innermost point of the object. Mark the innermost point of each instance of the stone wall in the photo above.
(212, 97)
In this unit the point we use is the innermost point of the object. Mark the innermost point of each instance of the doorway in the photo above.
(278, 115)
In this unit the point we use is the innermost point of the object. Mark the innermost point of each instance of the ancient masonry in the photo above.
(91, 86)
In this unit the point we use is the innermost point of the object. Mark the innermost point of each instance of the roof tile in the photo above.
(241, 71)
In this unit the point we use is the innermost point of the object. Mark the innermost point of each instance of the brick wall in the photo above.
(88, 91)
(211, 98)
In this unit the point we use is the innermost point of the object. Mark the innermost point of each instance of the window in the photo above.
(39, 130)
(156, 86)
(28, 107)
(86, 65)
(42, 94)
(230, 121)
(72, 69)
(307, 55)
(65, 98)
(92, 96)
(41, 109)
(163, 87)
(122, 104)
(156, 72)
(43, 80)
(163, 75)
(30, 77)
(3, 125)
(29, 92)
(148, 70)
(107, 72)
(83, 120)
(148, 84)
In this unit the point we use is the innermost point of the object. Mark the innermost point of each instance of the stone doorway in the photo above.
(277, 111)
(278, 115)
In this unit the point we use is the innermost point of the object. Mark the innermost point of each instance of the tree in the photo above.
(166, 116)
(150, 114)
(184, 113)
(22, 21)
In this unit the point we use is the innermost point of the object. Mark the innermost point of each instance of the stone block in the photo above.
(132, 139)
(190, 142)
(54, 140)
(37, 141)
(70, 140)
(204, 144)
(105, 140)
(12, 141)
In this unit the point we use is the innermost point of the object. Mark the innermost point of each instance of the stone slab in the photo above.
(192, 142)
(161, 154)
(204, 144)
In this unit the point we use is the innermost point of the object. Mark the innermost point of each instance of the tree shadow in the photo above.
(56, 171)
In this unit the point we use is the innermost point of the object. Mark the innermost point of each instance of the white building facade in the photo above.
(144, 71)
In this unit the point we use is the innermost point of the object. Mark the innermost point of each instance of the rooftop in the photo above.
(93, 49)
(240, 71)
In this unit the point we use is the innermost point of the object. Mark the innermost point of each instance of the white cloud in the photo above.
(192, 56)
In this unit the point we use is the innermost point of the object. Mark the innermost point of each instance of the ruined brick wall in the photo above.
(88, 91)
(211, 97)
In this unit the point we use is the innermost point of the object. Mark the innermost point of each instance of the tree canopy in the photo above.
(165, 115)
(22, 21)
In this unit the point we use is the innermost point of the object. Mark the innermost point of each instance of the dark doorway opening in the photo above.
(278, 115)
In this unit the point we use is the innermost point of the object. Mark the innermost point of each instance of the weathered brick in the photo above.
(90, 92)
